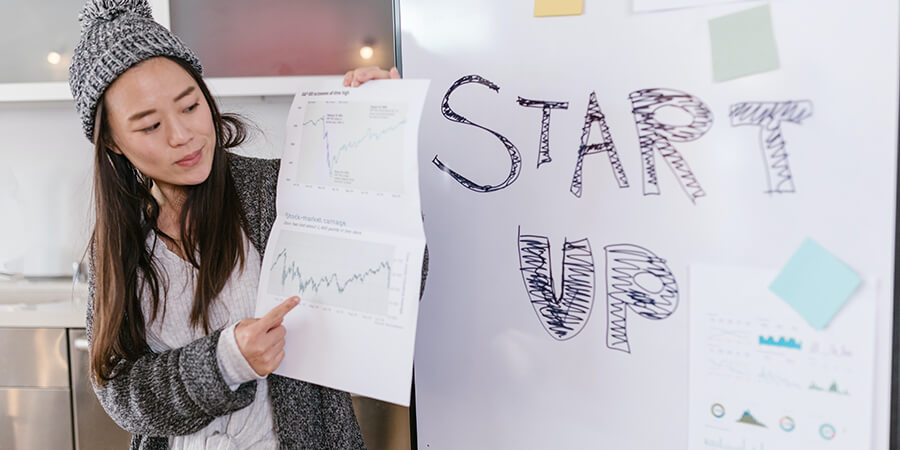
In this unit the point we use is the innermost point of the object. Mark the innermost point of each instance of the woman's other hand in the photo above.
(261, 341)
(359, 76)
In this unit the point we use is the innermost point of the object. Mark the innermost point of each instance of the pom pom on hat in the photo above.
(95, 11)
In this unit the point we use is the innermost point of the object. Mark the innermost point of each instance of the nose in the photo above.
(178, 133)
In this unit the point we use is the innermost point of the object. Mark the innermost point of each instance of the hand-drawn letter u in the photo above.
(563, 317)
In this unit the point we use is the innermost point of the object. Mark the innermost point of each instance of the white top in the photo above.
(248, 428)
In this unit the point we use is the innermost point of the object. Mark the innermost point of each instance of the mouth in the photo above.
(190, 159)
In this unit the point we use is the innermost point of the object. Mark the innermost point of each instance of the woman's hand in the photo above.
(359, 76)
(261, 341)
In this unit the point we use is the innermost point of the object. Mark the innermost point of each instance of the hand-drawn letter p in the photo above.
(639, 280)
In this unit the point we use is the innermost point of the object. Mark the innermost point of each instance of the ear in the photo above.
(111, 145)
(114, 148)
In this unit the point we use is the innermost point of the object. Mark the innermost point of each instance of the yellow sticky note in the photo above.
(545, 8)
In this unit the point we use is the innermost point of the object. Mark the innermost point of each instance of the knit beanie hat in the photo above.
(116, 35)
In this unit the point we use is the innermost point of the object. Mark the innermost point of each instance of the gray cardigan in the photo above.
(180, 391)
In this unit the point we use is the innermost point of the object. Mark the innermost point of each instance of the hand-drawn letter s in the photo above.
(515, 158)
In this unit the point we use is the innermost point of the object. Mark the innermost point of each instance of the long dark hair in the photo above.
(126, 212)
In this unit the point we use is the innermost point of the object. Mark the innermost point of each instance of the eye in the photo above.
(192, 107)
(150, 128)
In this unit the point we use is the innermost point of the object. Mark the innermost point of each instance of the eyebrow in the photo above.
(143, 114)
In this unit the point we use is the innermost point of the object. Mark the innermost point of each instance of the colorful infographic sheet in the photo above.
(348, 238)
(762, 378)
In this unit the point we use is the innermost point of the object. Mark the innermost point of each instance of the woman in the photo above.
(181, 225)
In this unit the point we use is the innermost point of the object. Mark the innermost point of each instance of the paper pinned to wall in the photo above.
(815, 283)
(662, 5)
(547, 8)
(743, 44)
(760, 378)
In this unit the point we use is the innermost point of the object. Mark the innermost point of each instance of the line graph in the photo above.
(292, 272)
(333, 155)
(353, 145)
(336, 272)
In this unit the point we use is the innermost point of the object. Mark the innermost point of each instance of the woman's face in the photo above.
(161, 122)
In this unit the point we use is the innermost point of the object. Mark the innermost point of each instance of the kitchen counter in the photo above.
(42, 304)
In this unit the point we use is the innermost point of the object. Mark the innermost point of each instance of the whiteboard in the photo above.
(491, 370)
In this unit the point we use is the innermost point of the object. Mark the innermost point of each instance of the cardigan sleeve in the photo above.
(175, 392)
(235, 369)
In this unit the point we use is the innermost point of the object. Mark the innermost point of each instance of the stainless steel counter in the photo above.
(42, 304)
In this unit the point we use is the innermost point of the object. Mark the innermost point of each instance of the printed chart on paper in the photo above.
(348, 237)
(764, 379)
(342, 141)
(338, 272)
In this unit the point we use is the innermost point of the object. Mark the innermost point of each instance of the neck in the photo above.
(171, 199)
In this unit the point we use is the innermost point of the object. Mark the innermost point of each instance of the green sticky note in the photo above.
(743, 44)
(815, 283)
(545, 8)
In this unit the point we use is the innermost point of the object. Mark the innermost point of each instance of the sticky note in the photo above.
(815, 283)
(743, 44)
(544, 8)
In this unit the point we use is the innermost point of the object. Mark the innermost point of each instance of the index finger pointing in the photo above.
(276, 314)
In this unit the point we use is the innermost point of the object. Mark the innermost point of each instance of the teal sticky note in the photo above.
(743, 44)
(815, 283)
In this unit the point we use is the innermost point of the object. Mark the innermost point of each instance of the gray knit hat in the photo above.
(116, 35)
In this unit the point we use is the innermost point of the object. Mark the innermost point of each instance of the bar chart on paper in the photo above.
(357, 145)
(360, 276)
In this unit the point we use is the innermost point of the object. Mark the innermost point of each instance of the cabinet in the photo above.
(47, 402)
(39, 406)
(93, 427)
(35, 405)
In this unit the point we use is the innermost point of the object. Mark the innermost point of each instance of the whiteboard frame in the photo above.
(398, 62)
(398, 48)
(894, 441)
